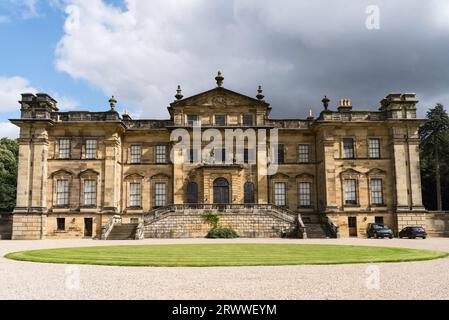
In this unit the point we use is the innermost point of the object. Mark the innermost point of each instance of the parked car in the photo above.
(413, 233)
(379, 230)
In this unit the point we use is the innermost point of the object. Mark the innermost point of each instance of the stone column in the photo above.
(329, 174)
(400, 154)
(415, 171)
(262, 168)
(112, 175)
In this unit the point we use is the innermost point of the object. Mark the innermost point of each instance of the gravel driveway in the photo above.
(412, 280)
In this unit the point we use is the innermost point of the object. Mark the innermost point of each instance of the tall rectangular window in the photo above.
(303, 153)
(280, 154)
(62, 192)
(248, 120)
(161, 154)
(64, 149)
(350, 188)
(305, 190)
(220, 120)
(192, 120)
(134, 194)
(280, 198)
(91, 149)
(159, 195)
(374, 148)
(60, 223)
(136, 154)
(376, 191)
(90, 192)
(348, 148)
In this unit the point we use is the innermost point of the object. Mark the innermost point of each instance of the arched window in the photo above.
(249, 193)
(192, 192)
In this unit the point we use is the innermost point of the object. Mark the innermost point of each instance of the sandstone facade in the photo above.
(79, 169)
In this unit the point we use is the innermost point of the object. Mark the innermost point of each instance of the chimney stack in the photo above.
(345, 105)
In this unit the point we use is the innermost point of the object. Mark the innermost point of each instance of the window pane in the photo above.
(192, 120)
(91, 149)
(160, 154)
(62, 193)
(90, 192)
(64, 149)
(376, 191)
(136, 154)
(348, 148)
(280, 154)
(374, 148)
(279, 194)
(220, 120)
(305, 194)
(134, 194)
(159, 194)
(350, 191)
(303, 153)
(247, 120)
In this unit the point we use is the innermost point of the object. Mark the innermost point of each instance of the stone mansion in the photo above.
(96, 174)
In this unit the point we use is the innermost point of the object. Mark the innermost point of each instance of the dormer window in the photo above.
(220, 120)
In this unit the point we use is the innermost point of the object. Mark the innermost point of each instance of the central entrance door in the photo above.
(221, 191)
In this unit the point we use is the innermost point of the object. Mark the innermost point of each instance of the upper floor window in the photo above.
(136, 154)
(350, 189)
(192, 120)
(220, 119)
(280, 197)
(248, 120)
(348, 148)
(159, 194)
(161, 154)
(91, 149)
(376, 191)
(374, 148)
(62, 192)
(303, 153)
(305, 190)
(90, 193)
(134, 194)
(64, 149)
(280, 154)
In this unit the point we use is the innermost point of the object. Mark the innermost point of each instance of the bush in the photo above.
(212, 219)
(222, 233)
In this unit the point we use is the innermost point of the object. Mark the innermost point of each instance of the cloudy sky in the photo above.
(83, 51)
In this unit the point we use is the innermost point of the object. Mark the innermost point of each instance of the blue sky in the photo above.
(83, 51)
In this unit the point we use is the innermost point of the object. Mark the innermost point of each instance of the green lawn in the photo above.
(203, 255)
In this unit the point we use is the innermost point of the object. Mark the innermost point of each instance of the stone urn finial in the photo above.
(325, 102)
(178, 94)
(260, 95)
(219, 78)
(112, 103)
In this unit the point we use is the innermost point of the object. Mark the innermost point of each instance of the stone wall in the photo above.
(438, 224)
(5, 226)
(191, 225)
(28, 226)
(406, 219)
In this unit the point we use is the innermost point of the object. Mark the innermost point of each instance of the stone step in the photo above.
(317, 231)
(123, 232)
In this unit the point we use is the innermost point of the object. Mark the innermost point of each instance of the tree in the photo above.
(434, 136)
(9, 151)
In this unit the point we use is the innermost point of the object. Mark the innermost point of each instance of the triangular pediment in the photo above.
(219, 97)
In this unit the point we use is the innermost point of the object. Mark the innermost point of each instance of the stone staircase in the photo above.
(317, 231)
(123, 232)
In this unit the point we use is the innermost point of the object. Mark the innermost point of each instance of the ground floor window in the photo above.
(305, 190)
(160, 195)
(134, 195)
(280, 198)
(60, 224)
(379, 219)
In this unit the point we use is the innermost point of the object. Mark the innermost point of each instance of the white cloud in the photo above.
(4, 19)
(10, 90)
(12, 87)
(8, 130)
(299, 50)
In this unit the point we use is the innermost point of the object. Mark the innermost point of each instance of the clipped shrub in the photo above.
(222, 233)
